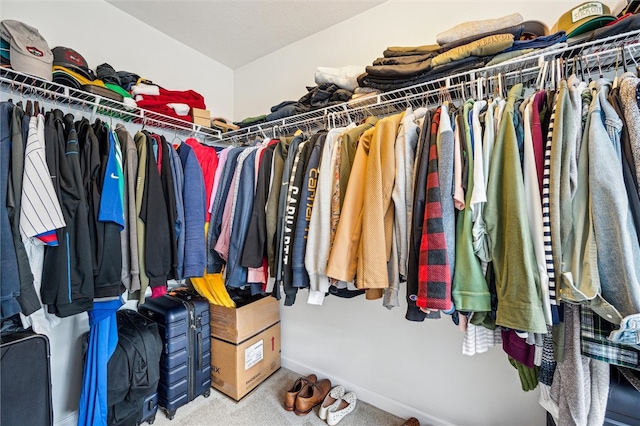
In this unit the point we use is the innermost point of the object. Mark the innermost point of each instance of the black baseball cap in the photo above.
(69, 58)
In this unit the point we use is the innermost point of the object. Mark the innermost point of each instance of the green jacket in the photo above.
(517, 280)
(349, 143)
(470, 291)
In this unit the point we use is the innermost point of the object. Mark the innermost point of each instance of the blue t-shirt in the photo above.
(112, 198)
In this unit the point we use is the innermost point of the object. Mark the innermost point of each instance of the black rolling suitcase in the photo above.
(25, 380)
(185, 365)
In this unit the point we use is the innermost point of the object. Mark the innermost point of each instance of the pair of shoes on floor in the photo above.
(337, 404)
(306, 393)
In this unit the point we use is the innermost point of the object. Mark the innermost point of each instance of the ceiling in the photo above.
(235, 33)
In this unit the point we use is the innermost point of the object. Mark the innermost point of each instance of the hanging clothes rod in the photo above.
(59, 96)
(597, 57)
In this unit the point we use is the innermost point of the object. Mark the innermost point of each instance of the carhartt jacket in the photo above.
(342, 262)
(377, 209)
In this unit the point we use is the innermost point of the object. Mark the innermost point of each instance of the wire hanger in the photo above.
(599, 66)
(175, 143)
(615, 79)
(264, 135)
(586, 60)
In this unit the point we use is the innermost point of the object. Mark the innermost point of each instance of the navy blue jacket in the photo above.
(193, 194)
(9, 278)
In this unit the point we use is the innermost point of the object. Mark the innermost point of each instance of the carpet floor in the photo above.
(264, 408)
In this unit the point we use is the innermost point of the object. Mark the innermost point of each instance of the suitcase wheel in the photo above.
(151, 420)
(171, 414)
(207, 393)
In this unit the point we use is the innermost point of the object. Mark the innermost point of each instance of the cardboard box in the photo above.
(238, 368)
(236, 325)
(201, 116)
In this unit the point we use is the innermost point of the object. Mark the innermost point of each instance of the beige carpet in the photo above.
(264, 408)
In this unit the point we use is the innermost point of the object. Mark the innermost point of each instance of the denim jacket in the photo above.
(618, 253)
(580, 275)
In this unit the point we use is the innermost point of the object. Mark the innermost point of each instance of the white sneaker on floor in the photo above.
(347, 405)
(331, 401)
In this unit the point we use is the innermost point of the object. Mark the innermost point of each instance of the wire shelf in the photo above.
(594, 57)
(60, 96)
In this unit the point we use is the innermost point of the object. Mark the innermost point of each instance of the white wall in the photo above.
(103, 33)
(406, 368)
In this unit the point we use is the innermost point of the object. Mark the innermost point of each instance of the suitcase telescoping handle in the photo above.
(200, 356)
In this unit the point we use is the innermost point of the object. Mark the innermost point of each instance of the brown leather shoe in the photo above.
(411, 421)
(291, 395)
(311, 395)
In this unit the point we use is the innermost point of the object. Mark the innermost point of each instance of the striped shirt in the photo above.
(40, 212)
(546, 223)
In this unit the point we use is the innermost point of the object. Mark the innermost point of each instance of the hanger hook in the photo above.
(599, 66)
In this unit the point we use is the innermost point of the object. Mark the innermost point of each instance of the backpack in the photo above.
(133, 371)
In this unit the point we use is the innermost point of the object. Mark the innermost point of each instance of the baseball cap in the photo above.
(70, 78)
(4, 52)
(28, 51)
(587, 17)
(71, 59)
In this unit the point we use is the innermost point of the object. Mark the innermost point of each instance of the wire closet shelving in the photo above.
(59, 96)
(593, 58)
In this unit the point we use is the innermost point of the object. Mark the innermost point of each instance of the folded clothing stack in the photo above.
(466, 46)
(71, 69)
(320, 96)
(172, 103)
(344, 77)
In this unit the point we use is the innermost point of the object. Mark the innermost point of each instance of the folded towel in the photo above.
(467, 29)
(145, 89)
(343, 77)
(129, 102)
(180, 109)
